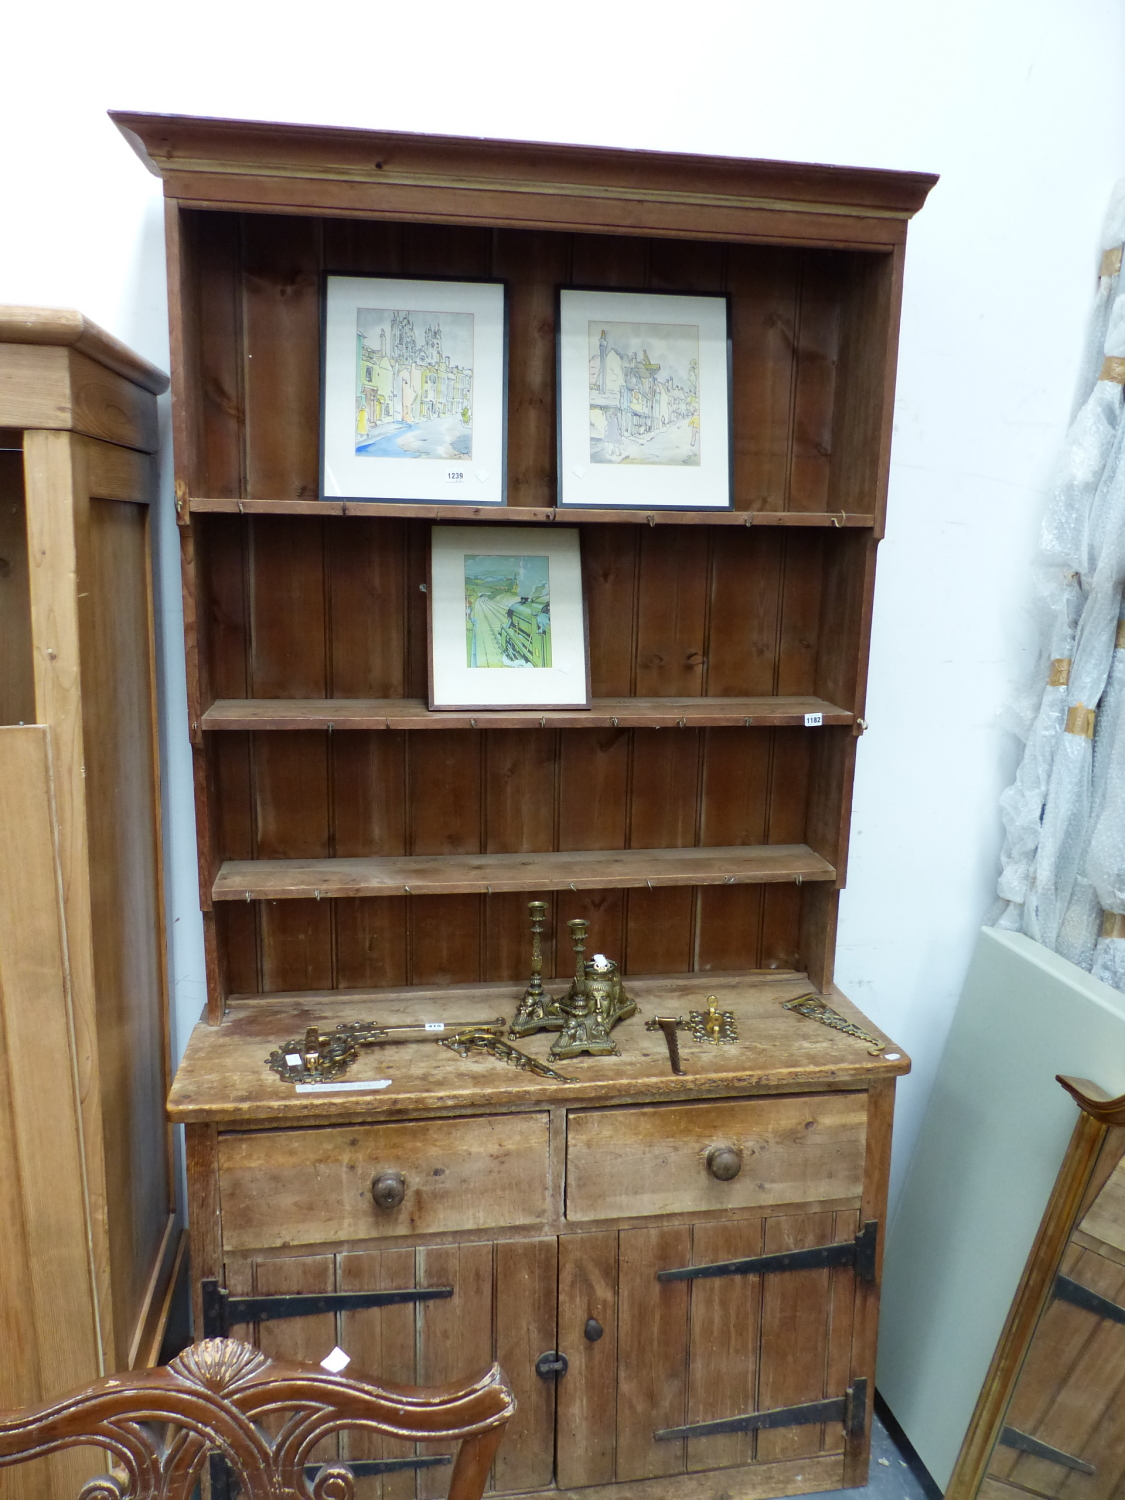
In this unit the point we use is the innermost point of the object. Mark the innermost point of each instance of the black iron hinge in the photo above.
(860, 1253)
(850, 1409)
(221, 1310)
(1023, 1442)
(1078, 1295)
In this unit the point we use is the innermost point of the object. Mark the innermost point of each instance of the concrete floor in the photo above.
(891, 1476)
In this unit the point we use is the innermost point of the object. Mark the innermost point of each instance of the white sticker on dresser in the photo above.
(340, 1088)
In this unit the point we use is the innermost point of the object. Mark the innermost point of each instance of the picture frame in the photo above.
(413, 390)
(644, 400)
(507, 618)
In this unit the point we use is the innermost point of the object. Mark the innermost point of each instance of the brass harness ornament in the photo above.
(466, 1042)
(817, 1009)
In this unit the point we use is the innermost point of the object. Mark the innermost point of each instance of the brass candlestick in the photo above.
(537, 910)
(594, 1002)
(536, 1010)
(578, 929)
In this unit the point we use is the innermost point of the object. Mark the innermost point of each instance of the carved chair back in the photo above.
(161, 1425)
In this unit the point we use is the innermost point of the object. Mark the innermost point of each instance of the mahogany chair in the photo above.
(161, 1425)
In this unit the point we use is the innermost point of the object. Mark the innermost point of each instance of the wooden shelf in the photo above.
(606, 713)
(461, 874)
(534, 515)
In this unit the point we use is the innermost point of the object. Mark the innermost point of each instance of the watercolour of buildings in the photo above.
(637, 413)
(409, 389)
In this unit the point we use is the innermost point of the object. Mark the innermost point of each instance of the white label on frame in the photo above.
(336, 1361)
(435, 1025)
(293, 1059)
(813, 721)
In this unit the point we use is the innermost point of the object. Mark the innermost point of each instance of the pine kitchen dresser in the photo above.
(355, 848)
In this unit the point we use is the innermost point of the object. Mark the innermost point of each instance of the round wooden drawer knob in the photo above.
(724, 1162)
(388, 1189)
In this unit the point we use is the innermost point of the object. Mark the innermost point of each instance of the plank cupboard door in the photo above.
(502, 1308)
(675, 1353)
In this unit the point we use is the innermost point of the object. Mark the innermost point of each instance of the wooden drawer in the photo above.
(302, 1187)
(802, 1149)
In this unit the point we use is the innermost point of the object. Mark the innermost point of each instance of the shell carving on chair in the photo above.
(217, 1364)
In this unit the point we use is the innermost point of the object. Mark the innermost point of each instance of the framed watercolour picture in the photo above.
(507, 621)
(644, 400)
(413, 395)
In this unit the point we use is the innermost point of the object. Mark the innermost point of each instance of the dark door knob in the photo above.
(388, 1189)
(724, 1162)
(594, 1330)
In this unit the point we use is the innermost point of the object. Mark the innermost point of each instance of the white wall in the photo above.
(1019, 106)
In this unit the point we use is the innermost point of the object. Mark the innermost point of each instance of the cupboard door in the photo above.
(503, 1308)
(678, 1353)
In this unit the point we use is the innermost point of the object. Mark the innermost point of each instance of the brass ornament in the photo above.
(594, 1003)
(320, 1056)
(536, 1011)
(591, 1007)
(466, 1042)
(712, 1025)
(816, 1009)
